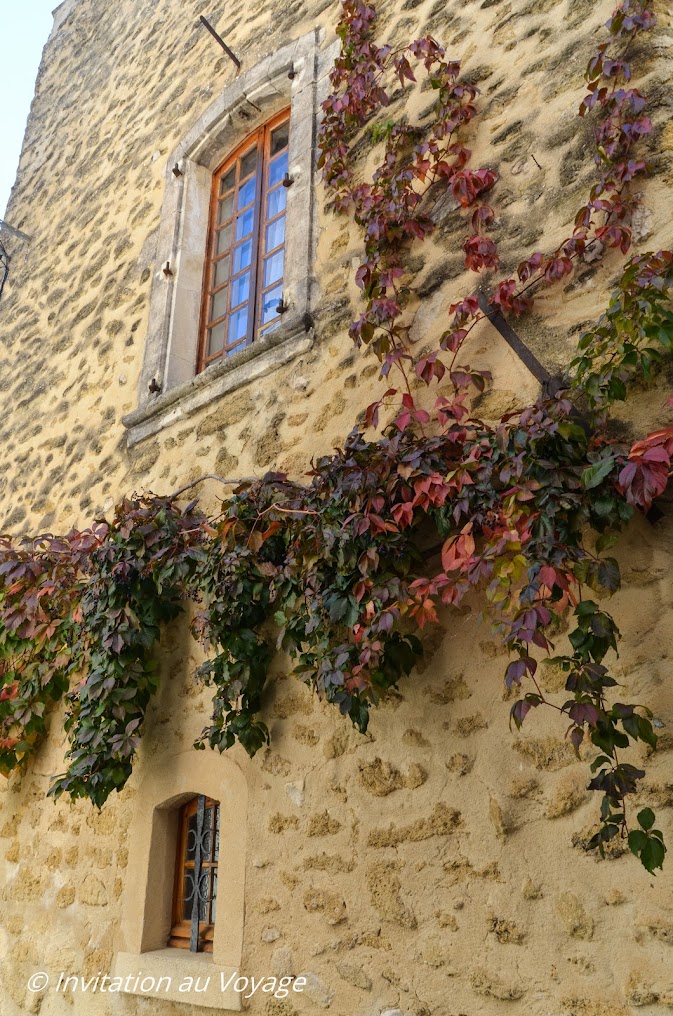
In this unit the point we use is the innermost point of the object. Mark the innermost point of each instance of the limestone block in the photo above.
(574, 917)
(317, 990)
(355, 975)
(282, 962)
(93, 892)
(295, 791)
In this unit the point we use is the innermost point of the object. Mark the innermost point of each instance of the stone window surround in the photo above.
(175, 300)
(147, 900)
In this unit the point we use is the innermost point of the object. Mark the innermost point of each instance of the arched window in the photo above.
(205, 311)
(245, 258)
(158, 839)
(195, 893)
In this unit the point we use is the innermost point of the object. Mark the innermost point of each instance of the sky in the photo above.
(24, 29)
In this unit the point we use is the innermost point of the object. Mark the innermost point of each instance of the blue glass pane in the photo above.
(247, 192)
(218, 305)
(242, 255)
(273, 268)
(223, 240)
(240, 289)
(244, 223)
(270, 301)
(215, 345)
(226, 208)
(238, 324)
(276, 202)
(275, 234)
(280, 137)
(248, 163)
(269, 328)
(221, 272)
(277, 169)
(227, 182)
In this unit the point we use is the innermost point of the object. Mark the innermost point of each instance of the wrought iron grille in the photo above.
(197, 891)
(198, 881)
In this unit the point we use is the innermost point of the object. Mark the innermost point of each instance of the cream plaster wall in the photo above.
(436, 866)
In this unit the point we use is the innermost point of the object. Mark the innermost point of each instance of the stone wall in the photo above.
(436, 865)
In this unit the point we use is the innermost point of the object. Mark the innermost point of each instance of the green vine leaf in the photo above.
(594, 475)
(647, 843)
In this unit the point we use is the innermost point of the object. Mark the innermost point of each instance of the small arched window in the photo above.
(195, 893)
(245, 258)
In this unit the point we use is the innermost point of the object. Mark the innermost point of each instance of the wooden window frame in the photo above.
(261, 139)
(180, 933)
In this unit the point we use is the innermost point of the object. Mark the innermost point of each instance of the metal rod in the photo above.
(14, 231)
(550, 385)
(220, 40)
(513, 341)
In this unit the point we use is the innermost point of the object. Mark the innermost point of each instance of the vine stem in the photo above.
(212, 476)
(276, 506)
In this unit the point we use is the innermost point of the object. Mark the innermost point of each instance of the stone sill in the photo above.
(286, 343)
(175, 966)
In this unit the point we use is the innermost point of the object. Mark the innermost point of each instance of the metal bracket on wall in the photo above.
(550, 384)
(221, 41)
(517, 345)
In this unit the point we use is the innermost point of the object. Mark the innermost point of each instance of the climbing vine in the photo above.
(422, 506)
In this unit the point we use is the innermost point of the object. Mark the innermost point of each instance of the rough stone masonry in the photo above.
(436, 866)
